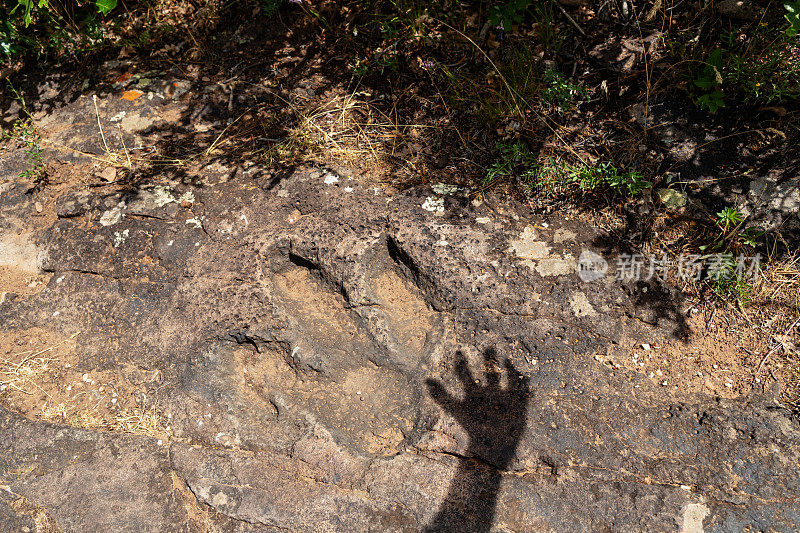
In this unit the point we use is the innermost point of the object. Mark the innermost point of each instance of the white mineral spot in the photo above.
(555, 266)
(112, 216)
(198, 222)
(433, 204)
(330, 179)
(170, 243)
(646, 347)
(348, 189)
(283, 193)
(188, 196)
(119, 116)
(563, 235)
(219, 498)
(527, 247)
(59, 279)
(483, 220)
(158, 196)
(444, 188)
(580, 305)
(56, 313)
(442, 243)
(693, 515)
(119, 237)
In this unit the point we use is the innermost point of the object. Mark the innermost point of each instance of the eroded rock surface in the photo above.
(290, 327)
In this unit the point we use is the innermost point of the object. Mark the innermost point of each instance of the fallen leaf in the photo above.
(131, 95)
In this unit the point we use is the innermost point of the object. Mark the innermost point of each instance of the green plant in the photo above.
(508, 13)
(36, 170)
(359, 69)
(22, 131)
(710, 81)
(728, 218)
(793, 17)
(516, 159)
(269, 8)
(757, 63)
(510, 158)
(732, 234)
(546, 27)
(729, 278)
(587, 177)
(43, 26)
(560, 91)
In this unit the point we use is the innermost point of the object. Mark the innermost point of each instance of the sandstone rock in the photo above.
(288, 338)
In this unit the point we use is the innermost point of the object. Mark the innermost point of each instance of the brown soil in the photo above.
(39, 378)
(20, 282)
(724, 355)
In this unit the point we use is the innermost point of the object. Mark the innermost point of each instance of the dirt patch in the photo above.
(408, 316)
(42, 520)
(323, 311)
(19, 273)
(40, 379)
(725, 355)
(20, 282)
(367, 402)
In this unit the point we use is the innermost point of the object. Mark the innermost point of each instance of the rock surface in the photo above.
(324, 355)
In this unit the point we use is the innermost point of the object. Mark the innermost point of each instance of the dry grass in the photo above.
(775, 312)
(351, 131)
(41, 384)
(28, 372)
(779, 282)
(137, 421)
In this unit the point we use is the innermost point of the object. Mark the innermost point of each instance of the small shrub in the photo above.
(511, 158)
(42, 26)
(515, 159)
(761, 68)
(588, 177)
(732, 234)
(508, 13)
(562, 92)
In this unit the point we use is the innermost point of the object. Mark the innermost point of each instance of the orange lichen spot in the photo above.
(131, 95)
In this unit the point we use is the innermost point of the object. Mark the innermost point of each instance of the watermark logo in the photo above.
(638, 267)
(591, 266)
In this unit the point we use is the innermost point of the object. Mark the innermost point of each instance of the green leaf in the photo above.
(105, 6)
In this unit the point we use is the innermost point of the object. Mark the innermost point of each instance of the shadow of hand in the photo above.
(494, 416)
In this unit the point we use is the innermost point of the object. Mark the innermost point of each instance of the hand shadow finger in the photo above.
(440, 395)
(464, 374)
(491, 369)
(515, 380)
